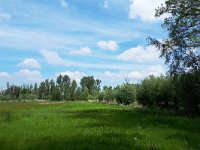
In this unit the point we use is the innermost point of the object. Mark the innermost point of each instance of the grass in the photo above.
(84, 125)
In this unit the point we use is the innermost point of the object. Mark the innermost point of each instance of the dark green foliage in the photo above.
(73, 89)
(147, 92)
(78, 94)
(62, 89)
(55, 95)
(101, 96)
(126, 94)
(85, 94)
(181, 48)
(41, 90)
(109, 94)
(89, 83)
(188, 91)
(175, 93)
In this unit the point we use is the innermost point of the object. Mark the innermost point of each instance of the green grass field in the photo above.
(84, 125)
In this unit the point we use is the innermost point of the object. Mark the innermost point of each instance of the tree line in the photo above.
(63, 88)
(176, 93)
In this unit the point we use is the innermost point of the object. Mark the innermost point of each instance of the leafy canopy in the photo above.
(181, 49)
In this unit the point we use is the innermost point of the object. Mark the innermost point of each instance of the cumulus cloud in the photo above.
(4, 16)
(76, 75)
(52, 57)
(4, 75)
(108, 45)
(29, 63)
(82, 51)
(29, 74)
(144, 9)
(136, 75)
(64, 3)
(140, 54)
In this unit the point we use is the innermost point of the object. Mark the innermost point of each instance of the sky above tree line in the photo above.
(41, 39)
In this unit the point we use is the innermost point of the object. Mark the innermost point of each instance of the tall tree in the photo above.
(91, 84)
(181, 49)
(66, 86)
(52, 86)
(73, 89)
(59, 83)
(47, 87)
(35, 88)
(41, 90)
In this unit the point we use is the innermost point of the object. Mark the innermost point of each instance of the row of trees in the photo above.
(178, 93)
(62, 89)
(122, 94)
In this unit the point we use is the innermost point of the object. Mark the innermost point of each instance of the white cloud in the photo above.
(4, 75)
(135, 75)
(64, 4)
(29, 63)
(106, 4)
(30, 75)
(108, 45)
(144, 9)
(82, 51)
(76, 75)
(140, 54)
(52, 57)
(4, 16)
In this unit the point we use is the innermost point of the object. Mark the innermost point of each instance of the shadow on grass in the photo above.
(187, 129)
(125, 118)
(91, 142)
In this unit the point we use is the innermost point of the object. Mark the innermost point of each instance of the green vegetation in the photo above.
(181, 47)
(84, 125)
(177, 93)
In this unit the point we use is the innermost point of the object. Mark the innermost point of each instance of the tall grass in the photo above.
(83, 125)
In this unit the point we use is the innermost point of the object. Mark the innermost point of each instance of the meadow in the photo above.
(91, 125)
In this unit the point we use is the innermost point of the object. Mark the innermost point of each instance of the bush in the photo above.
(126, 94)
(101, 96)
(157, 91)
(5, 98)
(188, 91)
(147, 91)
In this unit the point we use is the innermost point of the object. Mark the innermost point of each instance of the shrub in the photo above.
(125, 94)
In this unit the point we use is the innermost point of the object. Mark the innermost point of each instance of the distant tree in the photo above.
(73, 89)
(88, 82)
(41, 90)
(85, 93)
(52, 85)
(55, 95)
(78, 94)
(101, 96)
(66, 82)
(59, 80)
(35, 89)
(126, 94)
(108, 93)
(98, 85)
(47, 88)
(91, 84)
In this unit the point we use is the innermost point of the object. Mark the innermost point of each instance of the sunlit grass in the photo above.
(84, 125)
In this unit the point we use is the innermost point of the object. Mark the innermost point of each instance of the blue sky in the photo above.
(40, 39)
